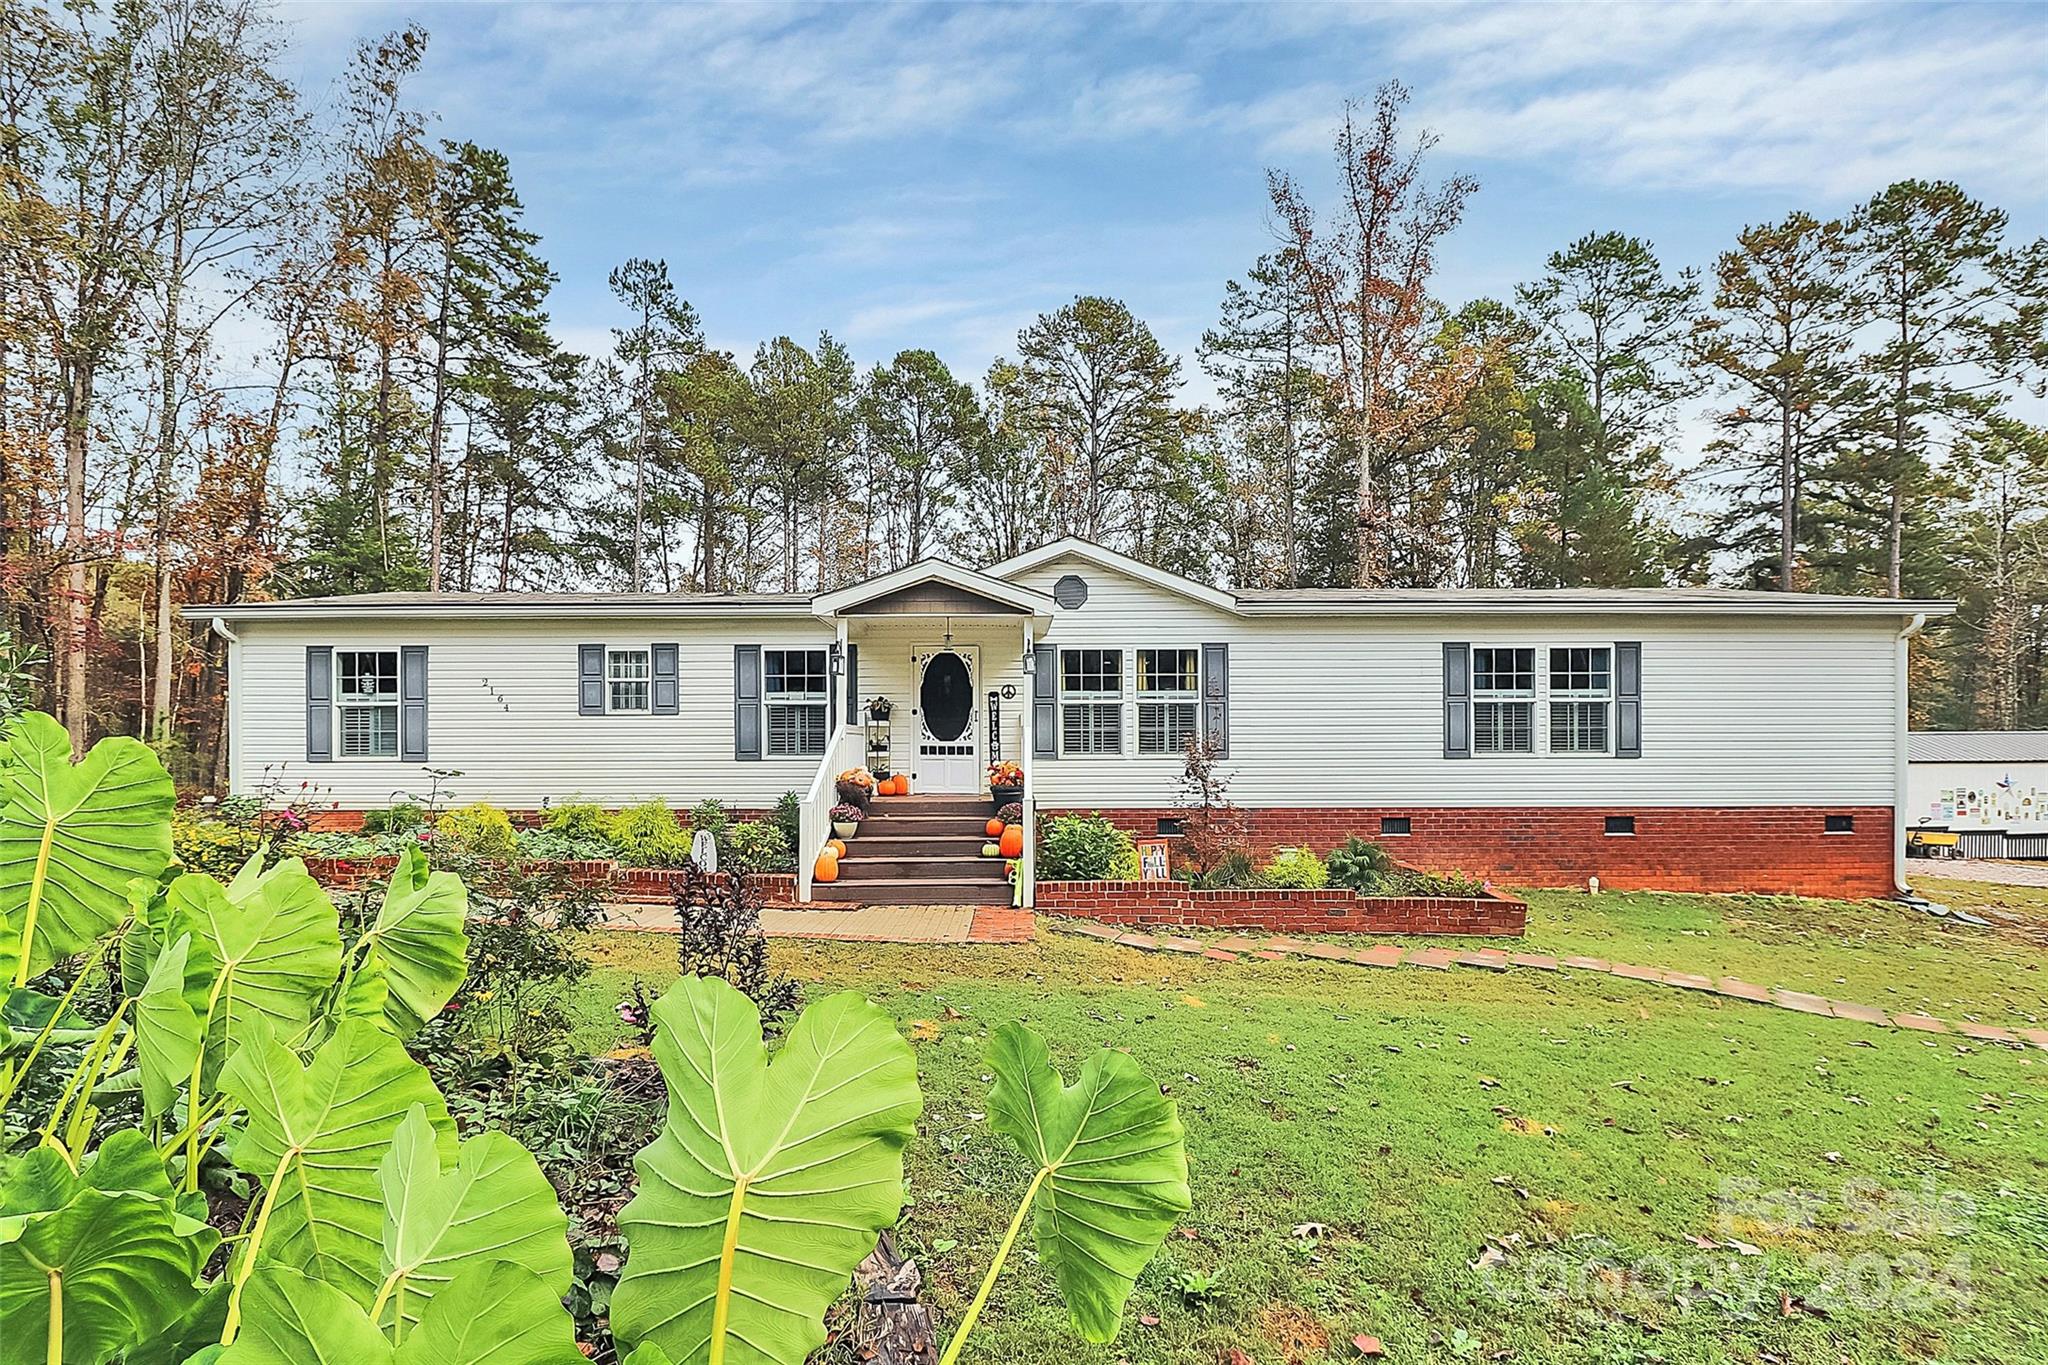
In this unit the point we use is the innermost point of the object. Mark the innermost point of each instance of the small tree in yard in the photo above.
(1211, 829)
(719, 915)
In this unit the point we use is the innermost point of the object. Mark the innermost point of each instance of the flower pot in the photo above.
(845, 829)
(1003, 796)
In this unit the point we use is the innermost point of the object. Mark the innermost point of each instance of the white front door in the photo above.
(948, 719)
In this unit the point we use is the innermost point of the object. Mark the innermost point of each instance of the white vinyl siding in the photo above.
(1348, 710)
(366, 703)
(794, 690)
(1336, 711)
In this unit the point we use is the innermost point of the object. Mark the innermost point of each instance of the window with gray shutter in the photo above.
(1628, 699)
(412, 703)
(746, 702)
(1045, 705)
(1216, 697)
(667, 685)
(319, 703)
(590, 680)
(1457, 701)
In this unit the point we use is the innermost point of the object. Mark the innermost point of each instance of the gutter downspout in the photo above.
(231, 712)
(1913, 628)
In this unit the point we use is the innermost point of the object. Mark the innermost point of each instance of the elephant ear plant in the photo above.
(770, 1182)
(247, 1028)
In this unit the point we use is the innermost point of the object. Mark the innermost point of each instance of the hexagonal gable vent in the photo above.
(1071, 591)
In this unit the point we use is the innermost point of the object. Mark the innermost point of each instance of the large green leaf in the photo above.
(495, 1205)
(1112, 1168)
(316, 1136)
(109, 1246)
(768, 1184)
(267, 947)
(72, 838)
(289, 1318)
(167, 1029)
(420, 940)
(493, 1314)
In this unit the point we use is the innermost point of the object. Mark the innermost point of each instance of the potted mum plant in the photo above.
(846, 818)
(1005, 782)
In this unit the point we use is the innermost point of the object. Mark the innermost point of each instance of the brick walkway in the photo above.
(869, 924)
(1978, 870)
(1493, 959)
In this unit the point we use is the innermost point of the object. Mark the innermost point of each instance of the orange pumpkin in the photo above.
(888, 787)
(1013, 841)
(995, 829)
(903, 784)
(826, 869)
(838, 847)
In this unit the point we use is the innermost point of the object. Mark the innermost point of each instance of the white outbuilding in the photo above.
(1988, 786)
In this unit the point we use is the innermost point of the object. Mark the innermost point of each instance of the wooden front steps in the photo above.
(920, 850)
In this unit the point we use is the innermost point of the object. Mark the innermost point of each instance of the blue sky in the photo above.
(936, 176)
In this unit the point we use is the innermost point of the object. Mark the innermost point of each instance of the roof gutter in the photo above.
(219, 626)
(1912, 628)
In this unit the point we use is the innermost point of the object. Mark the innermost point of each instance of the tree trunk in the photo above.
(77, 418)
(434, 512)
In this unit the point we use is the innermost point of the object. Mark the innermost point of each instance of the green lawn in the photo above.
(1576, 1123)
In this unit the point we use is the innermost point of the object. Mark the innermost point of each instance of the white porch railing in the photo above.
(1027, 864)
(815, 816)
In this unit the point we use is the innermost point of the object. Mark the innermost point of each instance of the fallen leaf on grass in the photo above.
(1311, 1230)
(1490, 1256)
(1368, 1344)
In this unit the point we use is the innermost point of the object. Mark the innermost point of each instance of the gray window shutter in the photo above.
(412, 703)
(1457, 701)
(746, 701)
(1628, 699)
(1216, 697)
(1045, 691)
(854, 715)
(590, 680)
(319, 703)
(667, 695)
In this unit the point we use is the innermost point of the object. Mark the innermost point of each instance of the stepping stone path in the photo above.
(1494, 960)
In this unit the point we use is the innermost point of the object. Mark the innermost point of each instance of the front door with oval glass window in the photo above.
(948, 747)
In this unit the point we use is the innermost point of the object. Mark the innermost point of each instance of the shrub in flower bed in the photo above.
(756, 846)
(649, 835)
(480, 830)
(1085, 848)
(1297, 868)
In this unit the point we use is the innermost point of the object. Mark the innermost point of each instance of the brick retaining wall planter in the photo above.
(1330, 911)
(642, 885)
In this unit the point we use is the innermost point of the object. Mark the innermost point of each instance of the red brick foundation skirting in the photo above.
(1779, 850)
(1332, 911)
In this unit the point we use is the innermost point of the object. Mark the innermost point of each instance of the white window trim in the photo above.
(611, 652)
(1120, 699)
(1533, 697)
(1568, 695)
(769, 700)
(394, 706)
(1540, 696)
(1181, 697)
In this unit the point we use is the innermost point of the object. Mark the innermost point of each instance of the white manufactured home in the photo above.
(1680, 738)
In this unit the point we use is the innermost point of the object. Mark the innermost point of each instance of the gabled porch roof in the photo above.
(935, 588)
